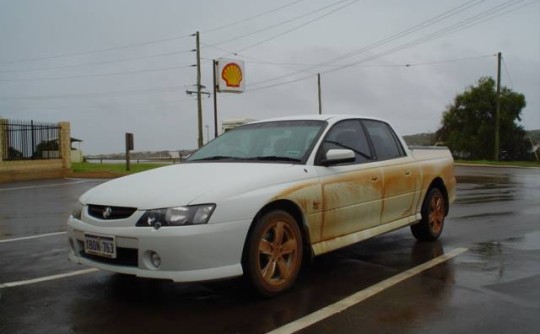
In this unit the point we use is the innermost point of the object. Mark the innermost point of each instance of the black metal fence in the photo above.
(25, 140)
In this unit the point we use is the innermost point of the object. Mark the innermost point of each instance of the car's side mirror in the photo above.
(338, 156)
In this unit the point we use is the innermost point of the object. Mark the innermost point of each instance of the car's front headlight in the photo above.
(178, 216)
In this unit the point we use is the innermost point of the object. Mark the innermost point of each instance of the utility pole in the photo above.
(214, 66)
(498, 107)
(319, 90)
(199, 100)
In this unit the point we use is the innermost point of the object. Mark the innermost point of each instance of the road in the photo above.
(488, 280)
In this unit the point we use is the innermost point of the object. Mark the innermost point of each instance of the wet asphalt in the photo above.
(494, 287)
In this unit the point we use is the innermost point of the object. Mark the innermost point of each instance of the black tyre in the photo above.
(274, 253)
(433, 212)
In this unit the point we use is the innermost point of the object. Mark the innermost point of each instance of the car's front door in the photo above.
(352, 192)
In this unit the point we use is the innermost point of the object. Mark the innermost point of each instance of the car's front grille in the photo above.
(124, 256)
(110, 212)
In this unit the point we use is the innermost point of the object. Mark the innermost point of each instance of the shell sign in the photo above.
(231, 75)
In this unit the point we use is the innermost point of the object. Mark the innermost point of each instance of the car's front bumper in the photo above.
(188, 253)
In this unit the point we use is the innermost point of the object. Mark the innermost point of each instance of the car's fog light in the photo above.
(155, 259)
(151, 260)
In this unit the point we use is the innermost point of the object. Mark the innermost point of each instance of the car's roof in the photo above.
(326, 118)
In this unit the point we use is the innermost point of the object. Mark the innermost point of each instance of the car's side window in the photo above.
(347, 134)
(385, 141)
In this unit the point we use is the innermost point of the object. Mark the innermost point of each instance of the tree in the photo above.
(48, 147)
(14, 154)
(468, 125)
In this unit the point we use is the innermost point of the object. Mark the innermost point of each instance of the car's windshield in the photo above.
(278, 141)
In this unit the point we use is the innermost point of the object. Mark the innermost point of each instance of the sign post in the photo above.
(129, 147)
(214, 69)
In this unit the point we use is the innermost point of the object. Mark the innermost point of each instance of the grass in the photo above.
(500, 163)
(115, 168)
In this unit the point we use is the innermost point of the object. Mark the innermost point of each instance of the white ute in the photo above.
(262, 198)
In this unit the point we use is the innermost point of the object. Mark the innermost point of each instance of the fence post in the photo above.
(65, 144)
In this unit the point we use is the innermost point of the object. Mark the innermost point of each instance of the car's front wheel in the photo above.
(274, 253)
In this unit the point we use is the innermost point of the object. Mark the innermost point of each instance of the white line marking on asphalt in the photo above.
(46, 185)
(47, 278)
(362, 295)
(32, 237)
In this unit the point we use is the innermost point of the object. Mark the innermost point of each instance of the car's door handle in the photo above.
(374, 178)
(408, 173)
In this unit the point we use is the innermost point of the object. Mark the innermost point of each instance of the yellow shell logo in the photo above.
(232, 74)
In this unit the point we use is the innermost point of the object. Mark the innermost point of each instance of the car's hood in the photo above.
(190, 183)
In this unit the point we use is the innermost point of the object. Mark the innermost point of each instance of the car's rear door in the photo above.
(400, 173)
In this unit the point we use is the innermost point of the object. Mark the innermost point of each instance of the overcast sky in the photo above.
(111, 66)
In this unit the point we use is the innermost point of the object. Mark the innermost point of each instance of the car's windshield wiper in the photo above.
(217, 157)
(367, 156)
(261, 158)
(275, 158)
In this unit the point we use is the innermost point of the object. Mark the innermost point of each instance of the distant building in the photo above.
(229, 124)
(76, 153)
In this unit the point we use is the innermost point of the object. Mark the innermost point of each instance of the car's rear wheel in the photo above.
(274, 253)
(433, 212)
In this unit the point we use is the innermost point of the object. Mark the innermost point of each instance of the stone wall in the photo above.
(18, 170)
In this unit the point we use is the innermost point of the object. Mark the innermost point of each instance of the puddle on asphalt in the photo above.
(487, 181)
(494, 262)
(487, 214)
(484, 199)
(528, 242)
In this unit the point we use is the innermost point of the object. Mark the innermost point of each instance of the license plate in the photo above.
(100, 245)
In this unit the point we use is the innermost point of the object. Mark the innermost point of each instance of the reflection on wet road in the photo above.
(38, 207)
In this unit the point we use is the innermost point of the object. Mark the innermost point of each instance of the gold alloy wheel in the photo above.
(436, 213)
(430, 227)
(273, 254)
(279, 258)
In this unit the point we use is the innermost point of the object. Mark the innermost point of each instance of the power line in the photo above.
(102, 94)
(438, 62)
(464, 24)
(133, 45)
(97, 75)
(180, 88)
(488, 15)
(425, 24)
(467, 23)
(507, 73)
(386, 40)
(97, 62)
(281, 23)
(128, 46)
(283, 33)
(251, 17)
(297, 27)
(116, 105)
(254, 59)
